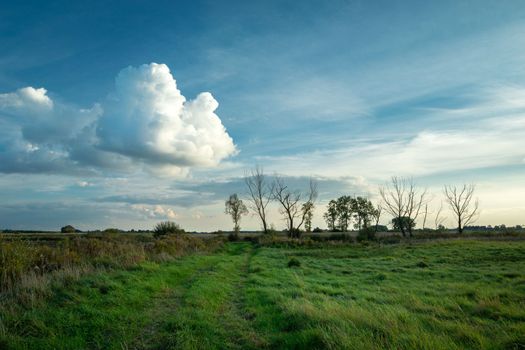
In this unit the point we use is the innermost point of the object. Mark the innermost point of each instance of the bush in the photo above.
(294, 262)
(68, 229)
(233, 236)
(112, 230)
(271, 231)
(366, 234)
(317, 230)
(295, 233)
(391, 240)
(343, 237)
(166, 228)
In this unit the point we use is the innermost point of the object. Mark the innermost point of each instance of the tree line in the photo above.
(400, 198)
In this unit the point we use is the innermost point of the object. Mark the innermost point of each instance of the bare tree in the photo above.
(260, 194)
(425, 215)
(236, 208)
(462, 203)
(291, 206)
(439, 220)
(403, 201)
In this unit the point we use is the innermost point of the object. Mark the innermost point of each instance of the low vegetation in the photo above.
(167, 228)
(27, 264)
(282, 293)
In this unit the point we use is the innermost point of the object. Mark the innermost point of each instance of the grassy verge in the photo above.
(438, 295)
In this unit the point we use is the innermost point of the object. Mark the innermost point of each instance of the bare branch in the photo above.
(438, 220)
(403, 201)
(290, 206)
(260, 194)
(462, 204)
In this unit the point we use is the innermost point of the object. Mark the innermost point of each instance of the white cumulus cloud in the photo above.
(154, 212)
(28, 97)
(149, 119)
(146, 121)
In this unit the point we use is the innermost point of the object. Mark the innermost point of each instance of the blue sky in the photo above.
(350, 92)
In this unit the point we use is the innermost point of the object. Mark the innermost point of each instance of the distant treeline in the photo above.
(495, 228)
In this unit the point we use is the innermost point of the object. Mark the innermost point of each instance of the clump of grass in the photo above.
(380, 277)
(422, 264)
(294, 262)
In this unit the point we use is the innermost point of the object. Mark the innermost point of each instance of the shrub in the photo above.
(68, 229)
(166, 228)
(233, 236)
(15, 259)
(366, 234)
(343, 237)
(112, 230)
(317, 230)
(391, 240)
(294, 262)
(272, 231)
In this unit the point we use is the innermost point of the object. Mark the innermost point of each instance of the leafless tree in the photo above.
(425, 215)
(464, 206)
(439, 220)
(291, 206)
(260, 193)
(403, 201)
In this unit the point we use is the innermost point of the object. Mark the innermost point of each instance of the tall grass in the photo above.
(22, 261)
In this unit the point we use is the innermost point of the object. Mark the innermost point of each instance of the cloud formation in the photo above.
(486, 133)
(149, 119)
(154, 212)
(37, 135)
(145, 122)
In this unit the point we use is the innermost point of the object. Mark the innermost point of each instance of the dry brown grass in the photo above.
(31, 264)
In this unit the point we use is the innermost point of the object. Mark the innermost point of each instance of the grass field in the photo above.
(434, 295)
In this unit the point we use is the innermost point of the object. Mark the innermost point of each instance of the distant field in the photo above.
(435, 295)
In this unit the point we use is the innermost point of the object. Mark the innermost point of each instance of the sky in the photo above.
(127, 113)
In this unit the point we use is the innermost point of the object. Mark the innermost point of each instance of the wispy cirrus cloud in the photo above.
(487, 133)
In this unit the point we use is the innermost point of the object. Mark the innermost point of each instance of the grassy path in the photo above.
(189, 303)
(207, 310)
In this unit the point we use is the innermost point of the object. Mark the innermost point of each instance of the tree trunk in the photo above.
(290, 227)
(401, 227)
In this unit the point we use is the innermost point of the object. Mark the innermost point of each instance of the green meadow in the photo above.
(442, 294)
